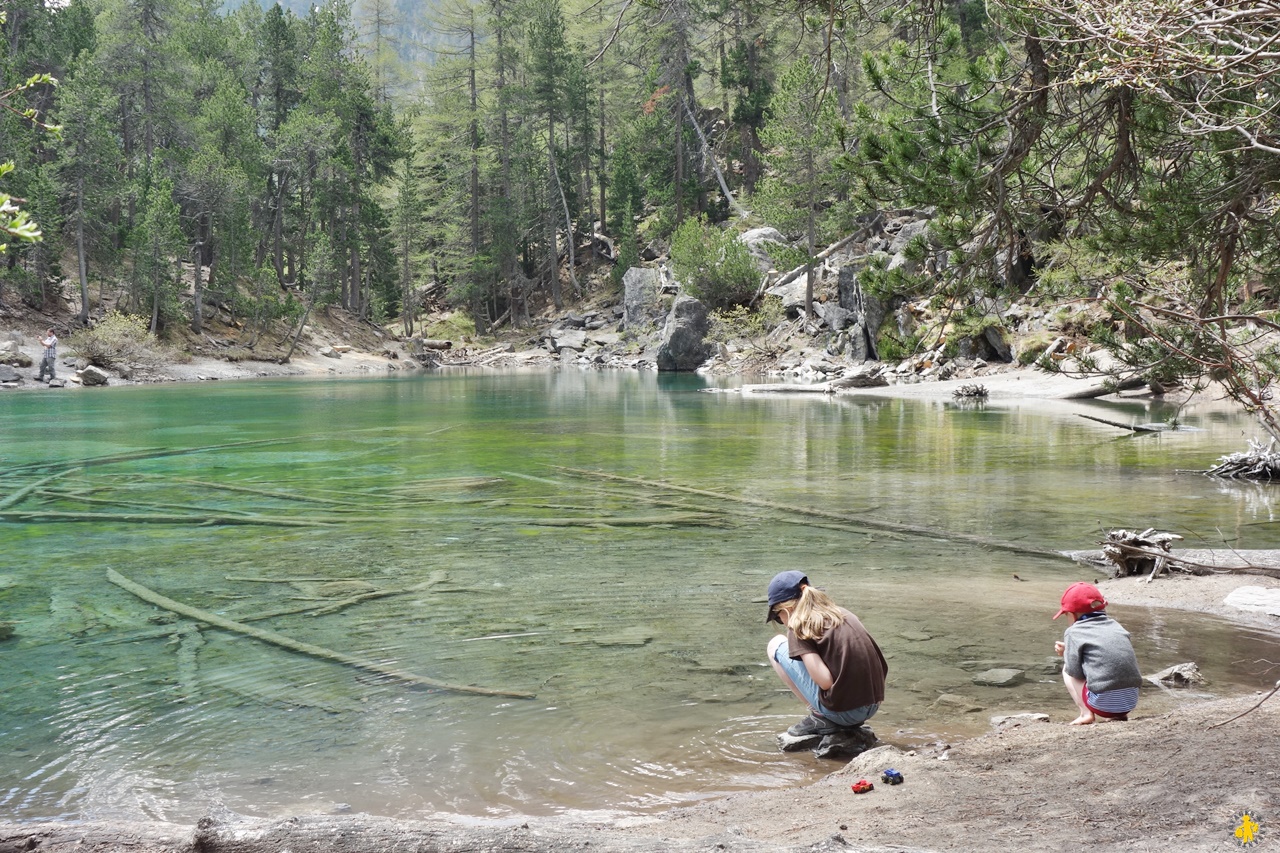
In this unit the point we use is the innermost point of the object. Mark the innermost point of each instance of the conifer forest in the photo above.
(490, 155)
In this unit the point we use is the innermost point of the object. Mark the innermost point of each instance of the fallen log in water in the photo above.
(284, 496)
(295, 646)
(1131, 427)
(786, 388)
(153, 518)
(18, 496)
(59, 494)
(874, 524)
(149, 453)
(691, 518)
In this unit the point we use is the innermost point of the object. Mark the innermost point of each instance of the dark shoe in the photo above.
(846, 743)
(812, 726)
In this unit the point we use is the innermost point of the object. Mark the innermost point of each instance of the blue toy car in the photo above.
(891, 777)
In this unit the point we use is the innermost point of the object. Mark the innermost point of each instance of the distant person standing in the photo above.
(50, 344)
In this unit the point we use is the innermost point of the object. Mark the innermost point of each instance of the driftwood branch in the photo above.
(1259, 462)
(292, 645)
(1254, 708)
(1192, 561)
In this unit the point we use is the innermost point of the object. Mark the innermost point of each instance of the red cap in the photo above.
(1081, 598)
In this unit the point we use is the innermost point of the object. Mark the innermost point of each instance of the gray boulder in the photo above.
(1178, 675)
(834, 316)
(569, 339)
(998, 345)
(867, 376)
(791, 294)
(908, 232)
(758, 241)
(330, 352)
(8, 374)
(12, 356)
(684, 339)
(867, 314)
(999, 678)
(93, 376)
(642, 298)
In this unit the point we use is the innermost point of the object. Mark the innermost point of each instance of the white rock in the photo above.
(1255, 599)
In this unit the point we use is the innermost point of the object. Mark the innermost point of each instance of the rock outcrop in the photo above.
(684, 338)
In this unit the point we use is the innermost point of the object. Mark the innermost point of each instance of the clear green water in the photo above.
(643, 642)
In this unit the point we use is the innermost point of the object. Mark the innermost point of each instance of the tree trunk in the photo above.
(568, 229)
(197, 307)
(553, 250)
(81, 260)
(679, 152)
(475, 141)
(811, 229)
(277, 226)
(600, 144)
(357, 273)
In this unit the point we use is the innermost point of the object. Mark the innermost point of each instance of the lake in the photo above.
(601, 541)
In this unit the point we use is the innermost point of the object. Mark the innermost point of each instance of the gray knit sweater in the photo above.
(1098, 652)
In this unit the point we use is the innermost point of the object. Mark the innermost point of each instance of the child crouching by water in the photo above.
(826, 657)
(1099, 667)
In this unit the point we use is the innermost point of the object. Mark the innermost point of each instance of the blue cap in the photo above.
(785, 586)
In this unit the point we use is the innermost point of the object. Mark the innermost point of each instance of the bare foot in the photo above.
(1082, 720)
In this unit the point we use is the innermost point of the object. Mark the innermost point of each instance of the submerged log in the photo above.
(156, 518)
(683, 518)
(150, 453)
(875, 524)
(284, 496)
(295, 646)
(21, 494)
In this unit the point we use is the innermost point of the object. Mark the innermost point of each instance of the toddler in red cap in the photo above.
(1099, 666)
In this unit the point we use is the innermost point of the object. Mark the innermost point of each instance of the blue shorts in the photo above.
(809, 689)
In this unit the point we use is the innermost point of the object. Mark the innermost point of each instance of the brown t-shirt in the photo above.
(857, 665)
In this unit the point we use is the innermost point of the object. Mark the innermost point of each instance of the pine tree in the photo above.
(800, 140)
(157, 243)
(88, 166)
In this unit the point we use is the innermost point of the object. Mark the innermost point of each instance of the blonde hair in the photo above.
(814, 614)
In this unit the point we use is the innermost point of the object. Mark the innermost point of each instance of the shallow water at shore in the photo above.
(633, 612)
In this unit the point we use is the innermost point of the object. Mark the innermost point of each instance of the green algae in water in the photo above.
(644, 644)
